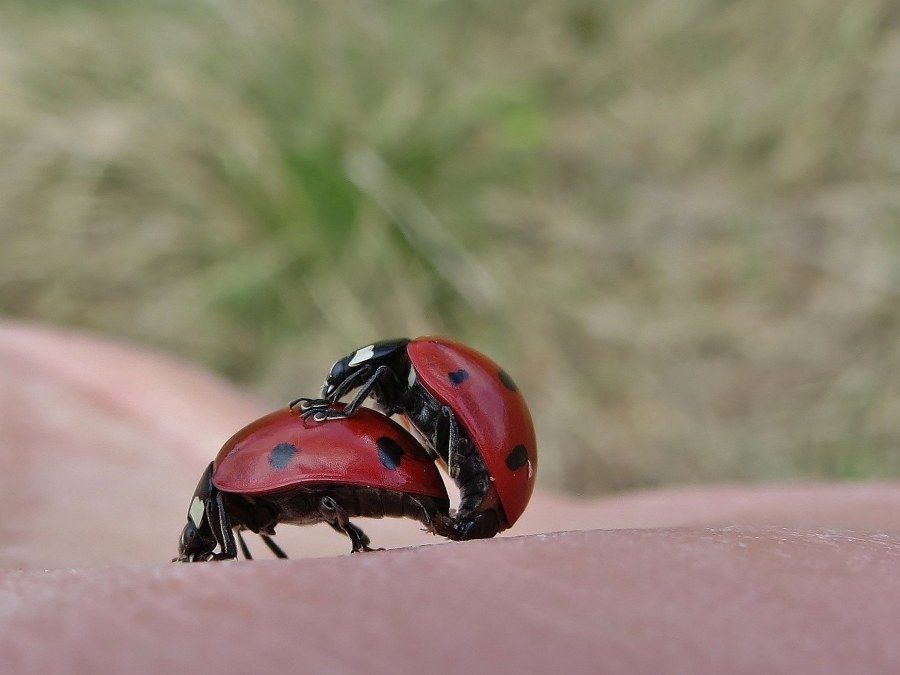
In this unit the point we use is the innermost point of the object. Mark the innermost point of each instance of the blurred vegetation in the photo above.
(677, 223)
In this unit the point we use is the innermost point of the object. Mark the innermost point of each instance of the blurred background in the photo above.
(676, 223)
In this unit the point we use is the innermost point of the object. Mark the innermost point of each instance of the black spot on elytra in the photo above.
(389, 453)
(507, 381)
(458, 377)
(517, 458)
(280, 455)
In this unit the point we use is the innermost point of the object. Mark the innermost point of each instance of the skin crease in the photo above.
(101, 446)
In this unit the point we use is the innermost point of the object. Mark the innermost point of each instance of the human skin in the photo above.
(101, 446)
(626, 601)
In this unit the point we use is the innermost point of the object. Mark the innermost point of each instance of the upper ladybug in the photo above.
(467, 408)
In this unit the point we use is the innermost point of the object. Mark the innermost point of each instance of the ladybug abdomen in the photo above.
(487, 403)
(300, 507)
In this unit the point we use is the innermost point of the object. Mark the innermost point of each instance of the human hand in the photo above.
(100, 448)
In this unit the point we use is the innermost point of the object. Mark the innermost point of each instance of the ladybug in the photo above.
(467, 409)
(289, 467)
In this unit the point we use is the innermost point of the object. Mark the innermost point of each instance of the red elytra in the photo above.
(282, 450)
(488, 404)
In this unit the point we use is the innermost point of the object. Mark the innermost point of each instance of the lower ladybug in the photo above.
(302, 469)
(468, 411)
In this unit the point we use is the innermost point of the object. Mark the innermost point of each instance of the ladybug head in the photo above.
(354, 369)
(197, 539)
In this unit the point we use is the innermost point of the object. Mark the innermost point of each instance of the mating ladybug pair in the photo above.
(322, 461)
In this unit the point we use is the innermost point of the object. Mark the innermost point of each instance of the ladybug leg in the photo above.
(363, 392)
(221, 527)
(454, 458)
(243, 545)
(275, 548)
(357, 535)
(320, 409)
(351, 383)
(337, 517)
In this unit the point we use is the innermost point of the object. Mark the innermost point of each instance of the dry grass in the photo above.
(676, 223)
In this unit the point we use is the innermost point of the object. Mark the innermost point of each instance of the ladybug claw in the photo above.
(308, 403)
(323, 414)
(317, 408)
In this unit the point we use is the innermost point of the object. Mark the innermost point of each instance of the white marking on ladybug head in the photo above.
(411, 378)
(196, 511)
(362, 355)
